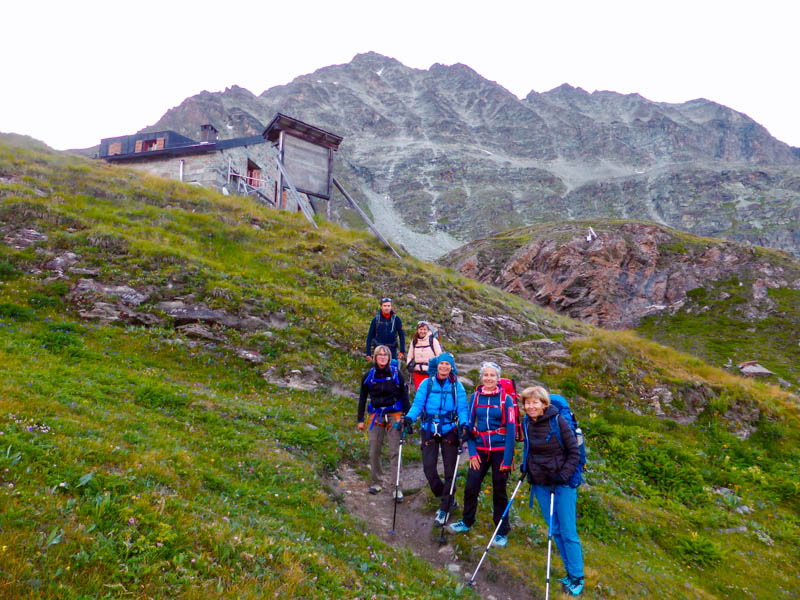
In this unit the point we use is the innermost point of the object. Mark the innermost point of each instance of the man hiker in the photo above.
(384, 330)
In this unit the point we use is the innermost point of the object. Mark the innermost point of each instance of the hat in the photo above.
(433, 364)
(490, 365)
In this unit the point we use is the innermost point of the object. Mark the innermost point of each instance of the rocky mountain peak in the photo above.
(457, 154)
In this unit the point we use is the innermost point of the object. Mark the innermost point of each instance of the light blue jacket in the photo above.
(434, 402)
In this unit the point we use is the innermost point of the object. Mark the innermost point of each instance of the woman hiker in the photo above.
(423, 347)
(388, 402)
(441, 403)
(491, 444)
(550, 467)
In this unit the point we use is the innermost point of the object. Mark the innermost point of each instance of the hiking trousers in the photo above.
(448, 446)
(565, 530)
(379, 433)
(499, 493)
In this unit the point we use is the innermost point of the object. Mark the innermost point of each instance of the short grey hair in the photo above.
(490, 365)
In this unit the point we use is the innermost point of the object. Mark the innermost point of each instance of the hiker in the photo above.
(549, 466)
(388, 401)
(423, 347)
(384, 330)
(441, 404)
(490, 444)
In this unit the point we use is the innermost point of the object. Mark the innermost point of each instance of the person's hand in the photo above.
(369, 358)
(475, 462)
(556, 479)
(466, 434)
(400, 355)
(505, 468)
(360, 426)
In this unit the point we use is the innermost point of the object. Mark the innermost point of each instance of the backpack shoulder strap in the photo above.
(370, 376)
(555, 429)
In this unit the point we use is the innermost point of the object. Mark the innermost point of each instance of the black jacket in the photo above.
(384, 332)
(383, 393)
(547, 462)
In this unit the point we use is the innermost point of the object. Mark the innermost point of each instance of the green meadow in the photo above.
(138, 463)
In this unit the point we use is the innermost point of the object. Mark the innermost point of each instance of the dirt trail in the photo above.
(414, 528)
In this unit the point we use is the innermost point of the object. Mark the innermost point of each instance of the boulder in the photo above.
(751, 368)
(63, 261)
(125, 294)
(106, 312)
(23, 238)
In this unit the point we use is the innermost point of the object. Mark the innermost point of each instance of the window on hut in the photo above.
(149, 145)
(253, 174)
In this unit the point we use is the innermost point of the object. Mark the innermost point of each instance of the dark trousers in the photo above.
(448, 446)
(499, 493)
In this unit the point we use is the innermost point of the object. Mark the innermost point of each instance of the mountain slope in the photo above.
(454, 153)
(176, 398)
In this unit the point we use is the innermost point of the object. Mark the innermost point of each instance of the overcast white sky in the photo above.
(74, 72)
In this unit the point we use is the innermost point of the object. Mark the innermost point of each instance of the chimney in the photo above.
(208, 133)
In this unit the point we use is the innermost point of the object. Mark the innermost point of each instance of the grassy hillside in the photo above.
(142, 462)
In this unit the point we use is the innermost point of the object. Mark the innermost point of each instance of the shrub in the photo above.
(157, 395)
(8, 271)
(694, 549)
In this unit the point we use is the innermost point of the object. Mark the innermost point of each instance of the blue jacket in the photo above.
(487, 423)
(434, 401)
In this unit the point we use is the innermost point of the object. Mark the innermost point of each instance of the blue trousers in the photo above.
(565, 530)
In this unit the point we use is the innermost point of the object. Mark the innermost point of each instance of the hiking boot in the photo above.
(398, 495)
(574, 587)
(375, 489)
(458, 527)
(500, 541)
(565, 581)
(440, 518)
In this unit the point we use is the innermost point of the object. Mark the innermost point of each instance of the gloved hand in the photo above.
(523, 467)
(556, 479)
(407, 425)
(411, 364)
(466, 434)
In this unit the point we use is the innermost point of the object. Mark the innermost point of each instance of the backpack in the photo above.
(508, 390)
(565, 412)
(370, 379)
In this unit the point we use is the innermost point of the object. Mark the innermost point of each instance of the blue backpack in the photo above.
(565, 412)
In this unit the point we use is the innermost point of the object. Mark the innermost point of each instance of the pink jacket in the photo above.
(423, 352)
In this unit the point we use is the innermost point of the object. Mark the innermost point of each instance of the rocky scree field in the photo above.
(178, 391)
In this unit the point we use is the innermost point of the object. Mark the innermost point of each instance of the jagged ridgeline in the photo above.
(178, 371)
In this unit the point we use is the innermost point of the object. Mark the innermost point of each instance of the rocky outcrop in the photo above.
(625, 272)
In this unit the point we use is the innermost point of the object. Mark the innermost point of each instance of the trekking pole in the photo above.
(441, 539)
(397, 480)
(471, 582)
(549, 545)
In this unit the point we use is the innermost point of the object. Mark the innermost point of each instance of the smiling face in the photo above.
(534, 407)
(443, 369)
(489, 379)
(422, 330)
(382, 359)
